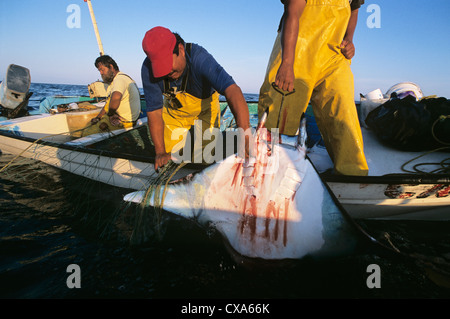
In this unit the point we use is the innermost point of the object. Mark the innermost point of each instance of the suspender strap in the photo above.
(131, 80)
(185, 78)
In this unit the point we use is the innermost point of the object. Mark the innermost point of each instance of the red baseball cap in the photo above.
(158, 45)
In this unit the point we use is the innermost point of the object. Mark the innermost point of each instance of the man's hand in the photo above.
(115, 120)
(161, 160)
(348, 49)
(239, 108)
(285, 77)
(95, 120)
(114, 104)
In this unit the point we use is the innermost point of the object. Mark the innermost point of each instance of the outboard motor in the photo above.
(97, 89)
(14, 92)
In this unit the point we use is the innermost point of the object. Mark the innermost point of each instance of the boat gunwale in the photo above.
(94, 151)
(406, 178)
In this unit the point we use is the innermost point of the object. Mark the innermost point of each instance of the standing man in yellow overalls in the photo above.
(311, 55)
(182, 83)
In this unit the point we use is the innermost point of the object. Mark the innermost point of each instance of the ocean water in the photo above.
(51, 219)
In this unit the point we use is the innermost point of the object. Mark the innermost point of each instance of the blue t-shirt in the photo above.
(205, 77)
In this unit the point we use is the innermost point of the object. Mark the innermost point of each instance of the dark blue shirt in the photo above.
(205, 77)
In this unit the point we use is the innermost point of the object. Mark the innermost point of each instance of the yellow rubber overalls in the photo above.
(105, 123)
(202, 114)
(324, 78)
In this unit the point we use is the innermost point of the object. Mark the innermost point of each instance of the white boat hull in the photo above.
(385, 201)
(389, 192)
(115, 170)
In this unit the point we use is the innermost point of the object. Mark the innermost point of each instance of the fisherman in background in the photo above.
(123, 103)
(182, 83)
(312, 54)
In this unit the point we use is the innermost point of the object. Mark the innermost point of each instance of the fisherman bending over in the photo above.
(190, 80)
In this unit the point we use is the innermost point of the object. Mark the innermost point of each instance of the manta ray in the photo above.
(273, 205)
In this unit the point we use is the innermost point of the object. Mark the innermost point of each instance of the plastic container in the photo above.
(97, 89)
(77, 120)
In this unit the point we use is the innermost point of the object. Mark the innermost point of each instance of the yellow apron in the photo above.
(324, 78)
(202, 114)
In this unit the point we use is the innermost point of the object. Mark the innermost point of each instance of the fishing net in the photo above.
(125, 221)
(150, 217)
(99, 208)
(425, 244)
(95, 204)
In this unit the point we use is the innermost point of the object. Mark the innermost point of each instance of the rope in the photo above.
(444, 166)
(439, 119)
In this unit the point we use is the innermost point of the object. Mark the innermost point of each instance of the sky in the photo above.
(396, 40)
